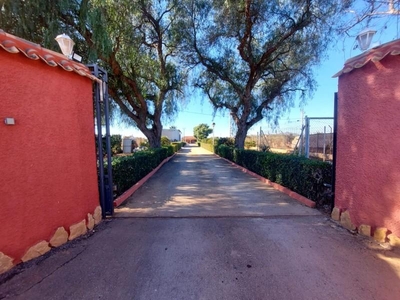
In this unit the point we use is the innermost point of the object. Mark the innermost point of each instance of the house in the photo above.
(189, 139)
(367, 186)
(48, 188)
(173, 134)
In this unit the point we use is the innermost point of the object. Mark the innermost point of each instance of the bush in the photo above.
(165, 141)
(225, 151)
(207, 146)
(250, 144)
(299, 174)
(116, 142)
(128, 170)
(177, 145)
(228, 141)
(144, 144)
(170, 150)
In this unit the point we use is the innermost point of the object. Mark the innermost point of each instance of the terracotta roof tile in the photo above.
(13, 44)
(374, 55)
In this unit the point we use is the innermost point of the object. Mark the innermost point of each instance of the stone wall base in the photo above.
(379, 234)
(60, 237)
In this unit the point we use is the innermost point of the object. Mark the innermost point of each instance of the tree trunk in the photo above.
(154, 139)
(153, 135)
(240, 136)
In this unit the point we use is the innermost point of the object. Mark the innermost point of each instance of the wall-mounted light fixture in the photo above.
(66, 44)
(9, 121)
(364, 38)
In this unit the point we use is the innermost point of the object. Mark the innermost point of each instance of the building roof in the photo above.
(375, 54)
(13, 44)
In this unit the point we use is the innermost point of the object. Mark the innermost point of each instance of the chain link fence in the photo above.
(314, 139)
(318, 141)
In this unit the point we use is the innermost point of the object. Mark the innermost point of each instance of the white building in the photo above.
(173, 134)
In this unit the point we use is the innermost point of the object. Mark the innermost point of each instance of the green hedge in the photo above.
(128, 170)
(207, 146)
(174, 147)
(170, 150)
(225, 151)
(299, 174)
(178, 145)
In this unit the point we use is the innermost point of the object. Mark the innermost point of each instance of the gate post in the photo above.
(105, 176)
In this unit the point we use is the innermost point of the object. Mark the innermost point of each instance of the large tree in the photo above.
(370, 13)
(255, 56)
(202, 131)
(135, 40)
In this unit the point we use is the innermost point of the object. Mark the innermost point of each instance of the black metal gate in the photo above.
(102, 111)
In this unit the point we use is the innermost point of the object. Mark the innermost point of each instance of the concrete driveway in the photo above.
(197, 183)
(202, 229)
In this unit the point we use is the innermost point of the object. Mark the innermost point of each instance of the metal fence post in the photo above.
(307, 138)
(97, 96)
(109, 183)
(324, 143)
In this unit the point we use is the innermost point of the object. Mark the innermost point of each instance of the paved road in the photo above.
(168, 245)
(198, 184)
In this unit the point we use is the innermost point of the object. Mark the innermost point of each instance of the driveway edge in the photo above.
(275, 185)
(121, 199)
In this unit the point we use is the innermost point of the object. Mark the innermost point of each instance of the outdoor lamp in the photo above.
(66, 44)
(364, 38)
(213, 125)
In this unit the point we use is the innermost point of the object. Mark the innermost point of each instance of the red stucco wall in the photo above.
(47, 160)
(368, 144)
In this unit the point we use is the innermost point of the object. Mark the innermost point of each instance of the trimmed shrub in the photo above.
(177, 146)
(207, 146)
(227, 141)
(165, 141)
(128, 170)
(225, 151)
(170, 150)
(301, 175)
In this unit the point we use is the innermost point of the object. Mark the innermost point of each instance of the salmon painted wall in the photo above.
(368, 144)
(47, 159)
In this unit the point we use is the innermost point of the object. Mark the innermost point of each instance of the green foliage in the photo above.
(230, 142)
(207, 146)
(128, 170)
(299, 174)
(165, 141)
(177, 145)
(202, 131)
(145, 144)
(255, 57)
(249, 144)
(116, 142)
(174, 147)
(225, 151)
(170, 149)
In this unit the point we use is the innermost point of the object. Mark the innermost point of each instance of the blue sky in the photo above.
(198, 110)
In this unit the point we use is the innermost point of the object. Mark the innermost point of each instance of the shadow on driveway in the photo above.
(196, 183)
